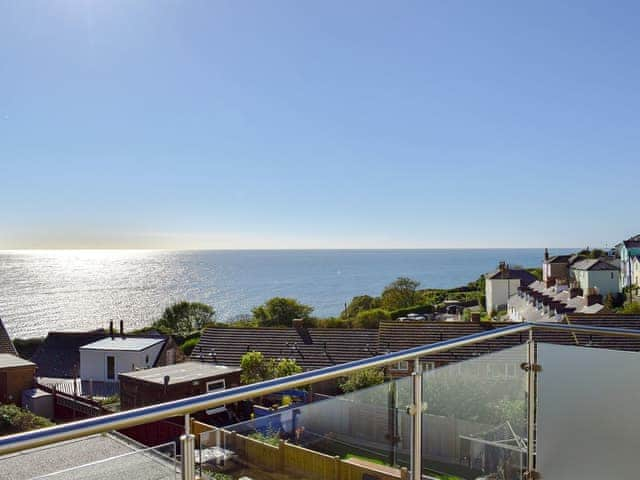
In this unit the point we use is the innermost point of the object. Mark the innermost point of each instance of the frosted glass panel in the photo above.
(475, 423)
(588, 413)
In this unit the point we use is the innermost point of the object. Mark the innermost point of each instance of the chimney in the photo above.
(546, 254)
(122, 328)
(502, 266)
(593, 298)
(298, 323)
(111, 328)
(575, 292)
(475, 317)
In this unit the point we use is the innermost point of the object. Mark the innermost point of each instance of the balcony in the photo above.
(542, 402)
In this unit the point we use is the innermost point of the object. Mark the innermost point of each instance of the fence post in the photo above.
(281, 446)
(404, 473)
(188, 463)
(337, 461)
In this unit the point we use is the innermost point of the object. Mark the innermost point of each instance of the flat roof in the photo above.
(75, 453)
(9, 361)
(131, 344)
(181, 372)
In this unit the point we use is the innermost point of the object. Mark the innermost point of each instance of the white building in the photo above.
(597, 275)
(502, 284)
(105, 359)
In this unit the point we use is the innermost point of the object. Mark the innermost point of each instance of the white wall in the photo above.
(498, 292)
(604, 281)
(93, 363)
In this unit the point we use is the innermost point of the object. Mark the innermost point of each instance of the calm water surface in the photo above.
(83, 289)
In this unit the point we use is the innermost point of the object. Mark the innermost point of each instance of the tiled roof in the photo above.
(396, 336)
(6, 345)
(525, 277)
(59, 355)
(558, 259)
(310, 348)
(594, 264)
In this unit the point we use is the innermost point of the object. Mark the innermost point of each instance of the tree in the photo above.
(280, 312)
(286, 367)
(185, 317)
(359, 304)
(257, 368)
(400, 294)
(371, 318)
(362, 379)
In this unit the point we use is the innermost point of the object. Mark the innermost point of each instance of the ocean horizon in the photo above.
(47, 290)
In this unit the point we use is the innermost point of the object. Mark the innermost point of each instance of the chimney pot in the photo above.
(111, 328)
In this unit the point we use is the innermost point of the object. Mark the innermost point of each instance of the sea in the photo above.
(47, 290)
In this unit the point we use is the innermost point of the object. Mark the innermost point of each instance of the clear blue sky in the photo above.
(257, 124)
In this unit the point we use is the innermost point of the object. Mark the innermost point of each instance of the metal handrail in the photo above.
(115, 421)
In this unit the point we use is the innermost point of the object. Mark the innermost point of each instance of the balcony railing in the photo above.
(534, 408)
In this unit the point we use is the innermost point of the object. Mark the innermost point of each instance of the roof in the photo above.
(6, 345)
(311, 348)
(181, 372)
(633, 242)
(395, 336)
(10, 361)
(59, 354)
(68, 455)
(559, 259)
(594, 264)
(524, 276)
(126, 344)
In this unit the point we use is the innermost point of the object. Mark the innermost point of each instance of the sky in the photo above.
(287, 124)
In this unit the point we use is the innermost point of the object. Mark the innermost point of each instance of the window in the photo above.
(401, 366)
(111, 368)
(427, 366)
(215, 386)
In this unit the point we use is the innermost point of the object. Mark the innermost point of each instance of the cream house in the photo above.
(502, 284)
(597, 274)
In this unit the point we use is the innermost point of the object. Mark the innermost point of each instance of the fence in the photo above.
(295, 460)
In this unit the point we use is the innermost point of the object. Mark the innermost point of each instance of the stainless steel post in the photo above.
(531, 409)
(188, 463)
(416, 430)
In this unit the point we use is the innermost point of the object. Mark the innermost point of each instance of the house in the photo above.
(395, 336)
(503, 283)
(311, 348)
(59, 355)
(6, 345)
(597, 275)
(555, 269)
(172, 382)
(538, 302)
(16, 375)
(635, 271)
(103, 360)
(626, 251)
(58, 360)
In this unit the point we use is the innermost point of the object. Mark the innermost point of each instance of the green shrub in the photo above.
(15, 420)
(188, 346)
(371, 318)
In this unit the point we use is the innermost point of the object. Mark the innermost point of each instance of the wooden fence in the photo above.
(299, 461)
